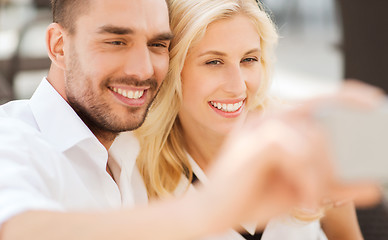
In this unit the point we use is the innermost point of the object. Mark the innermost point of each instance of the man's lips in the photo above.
(128, 93)
(130, 97)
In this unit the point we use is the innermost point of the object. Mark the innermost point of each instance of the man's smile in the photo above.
(131, 94)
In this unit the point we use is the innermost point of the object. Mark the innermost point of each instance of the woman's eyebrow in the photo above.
(254, 50)
(218, 53)
(212, 52)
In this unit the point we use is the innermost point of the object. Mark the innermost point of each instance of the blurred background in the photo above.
(309, 58)
(322, 42)
(23, 57)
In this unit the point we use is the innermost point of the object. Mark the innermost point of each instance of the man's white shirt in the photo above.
(50, 160)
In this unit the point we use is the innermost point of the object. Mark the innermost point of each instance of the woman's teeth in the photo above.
(227, 107)
(128, 93)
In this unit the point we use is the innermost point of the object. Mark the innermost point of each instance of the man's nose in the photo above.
(138, 63)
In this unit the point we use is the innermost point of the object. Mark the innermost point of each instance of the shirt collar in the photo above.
(57, 121)
(197, 170)
(124, 152)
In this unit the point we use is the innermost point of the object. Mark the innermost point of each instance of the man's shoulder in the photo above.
(18, 135)
(15, 117)
(23, 145)
(10, 125)
(17, 112)
(17, 130)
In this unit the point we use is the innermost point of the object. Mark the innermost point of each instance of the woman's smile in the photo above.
(229, 109)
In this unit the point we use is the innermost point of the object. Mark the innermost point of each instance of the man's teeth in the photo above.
(128, 93)
(227, 107)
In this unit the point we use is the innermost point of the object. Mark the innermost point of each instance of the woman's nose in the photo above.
(234, 81)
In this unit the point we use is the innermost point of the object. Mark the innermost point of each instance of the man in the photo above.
(57, 180)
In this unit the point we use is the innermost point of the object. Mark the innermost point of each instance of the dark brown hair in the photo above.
(66, 12)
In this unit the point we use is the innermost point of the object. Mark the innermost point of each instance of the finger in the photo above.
(351, 93)
(362, 86)
(363, 194)
(356, 93)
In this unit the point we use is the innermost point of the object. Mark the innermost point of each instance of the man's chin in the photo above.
(130, 124)
(129, 119)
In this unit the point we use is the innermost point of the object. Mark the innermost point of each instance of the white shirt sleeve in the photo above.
(24, 177)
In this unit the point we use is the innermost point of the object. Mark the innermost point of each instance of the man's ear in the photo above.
(55, 35)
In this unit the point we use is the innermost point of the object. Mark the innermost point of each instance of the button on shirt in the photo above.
(50, 160)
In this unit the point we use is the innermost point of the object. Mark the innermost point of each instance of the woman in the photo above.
(220, 68)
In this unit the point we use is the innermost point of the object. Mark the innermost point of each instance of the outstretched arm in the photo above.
(269, 166)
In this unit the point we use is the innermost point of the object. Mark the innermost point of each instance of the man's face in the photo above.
(116, 61)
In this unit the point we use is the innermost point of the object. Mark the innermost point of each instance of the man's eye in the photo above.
(116, 43)
(251, 59)
(214, 62)
(159, 45)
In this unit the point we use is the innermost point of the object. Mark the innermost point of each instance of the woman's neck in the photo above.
(203, 146)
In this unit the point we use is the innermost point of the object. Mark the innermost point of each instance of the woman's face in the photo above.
(221, 76)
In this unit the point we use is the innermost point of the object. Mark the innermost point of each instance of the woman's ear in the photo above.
(55, 35)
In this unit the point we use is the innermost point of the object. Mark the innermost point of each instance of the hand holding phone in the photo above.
(359, 140)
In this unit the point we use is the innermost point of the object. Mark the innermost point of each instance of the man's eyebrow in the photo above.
(115, 30)
(110, 29)
(167, 36)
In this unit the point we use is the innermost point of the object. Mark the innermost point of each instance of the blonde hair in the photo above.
(163, 158)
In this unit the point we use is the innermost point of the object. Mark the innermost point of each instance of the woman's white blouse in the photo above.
(285, 228)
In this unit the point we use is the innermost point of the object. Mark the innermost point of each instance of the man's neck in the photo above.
(105, 138)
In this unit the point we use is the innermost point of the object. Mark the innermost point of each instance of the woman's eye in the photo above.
(250, 60)
(214, 62)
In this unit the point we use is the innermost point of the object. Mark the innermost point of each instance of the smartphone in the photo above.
(359, 140)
